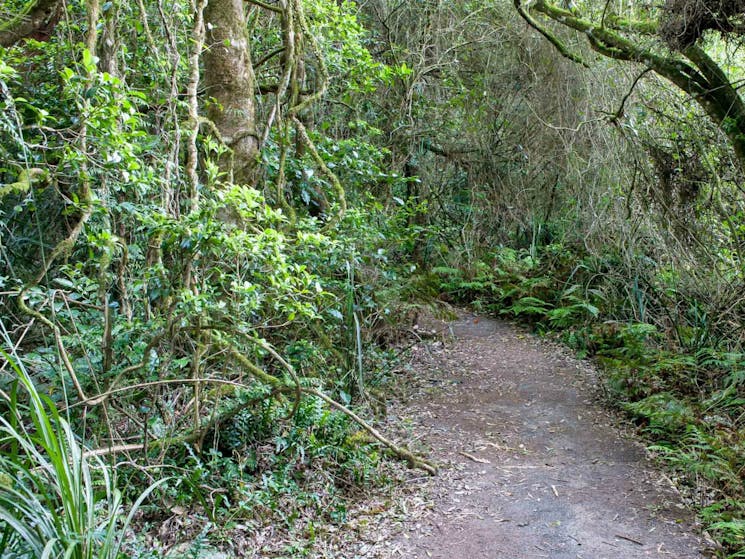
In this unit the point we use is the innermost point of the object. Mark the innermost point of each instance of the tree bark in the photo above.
(230, 86)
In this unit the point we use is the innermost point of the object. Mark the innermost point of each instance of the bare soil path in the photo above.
(534, 465)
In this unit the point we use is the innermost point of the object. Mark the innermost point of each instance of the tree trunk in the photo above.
(230, 84)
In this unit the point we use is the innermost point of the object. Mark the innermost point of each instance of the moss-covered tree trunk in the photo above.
(230, 82)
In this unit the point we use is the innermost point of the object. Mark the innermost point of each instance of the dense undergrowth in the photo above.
(677, 371)
(203, 310)
(221, 342)
(268, 308)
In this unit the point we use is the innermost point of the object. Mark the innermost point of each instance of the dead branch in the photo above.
(401, 452)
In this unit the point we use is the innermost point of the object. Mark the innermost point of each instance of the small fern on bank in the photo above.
(532, 306)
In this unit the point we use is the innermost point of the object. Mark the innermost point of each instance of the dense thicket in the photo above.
(216, 217)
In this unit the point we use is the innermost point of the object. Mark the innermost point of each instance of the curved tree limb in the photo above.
(691, 69)
(57, 338)
(36, 20)
(330, 175)
(401, 452)
(266, 6)
(637, 26)
(618, 115)
(289, 368)
(413, 460)
(550, 37)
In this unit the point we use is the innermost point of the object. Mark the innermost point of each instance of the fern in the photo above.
(665, 413)
(731, 532)
(529, 306)
(576, 312)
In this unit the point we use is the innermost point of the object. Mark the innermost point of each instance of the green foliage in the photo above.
(343, 42)
(55, 498)
(529, 306)
(517, 283)
(258, 469)
(683, 393)
(573, 313)
(726, 521)
(626, 241)
(662, 414)
(150, 285)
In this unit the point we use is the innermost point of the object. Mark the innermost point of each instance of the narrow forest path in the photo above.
(536, 467)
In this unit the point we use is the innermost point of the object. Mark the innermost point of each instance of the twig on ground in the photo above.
(628, 539)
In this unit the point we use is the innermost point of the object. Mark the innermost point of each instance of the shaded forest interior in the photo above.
(220, 219)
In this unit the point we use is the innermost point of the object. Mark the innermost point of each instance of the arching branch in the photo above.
(690, 68)
(550, 37)
(36, 21)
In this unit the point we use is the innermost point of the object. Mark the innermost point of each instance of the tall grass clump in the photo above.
(56, 498)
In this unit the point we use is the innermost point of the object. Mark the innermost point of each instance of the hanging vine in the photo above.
(291, 100)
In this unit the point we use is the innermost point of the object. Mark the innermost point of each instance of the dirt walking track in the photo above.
(534, 465)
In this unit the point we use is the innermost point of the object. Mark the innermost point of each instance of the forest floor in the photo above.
(533, 464)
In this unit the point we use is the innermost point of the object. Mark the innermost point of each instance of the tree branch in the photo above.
(270, 7)
(36, 20)
(553, 39)
(267, 57)
(401, 452)
(696, 74)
